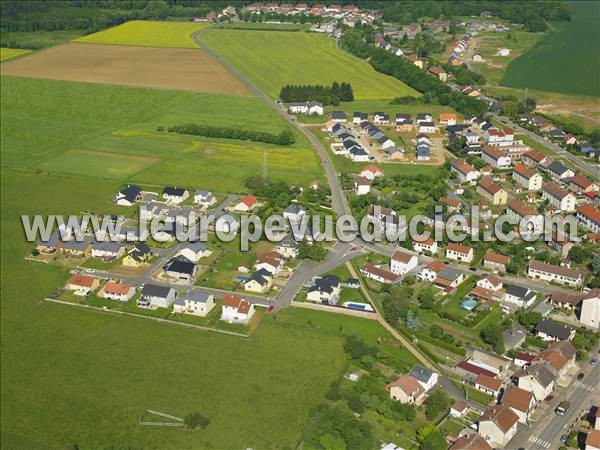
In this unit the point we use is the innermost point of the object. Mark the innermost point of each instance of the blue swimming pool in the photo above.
(359, 306)
(469, 304)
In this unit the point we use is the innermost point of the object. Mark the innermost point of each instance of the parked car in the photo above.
(593, 361)
(562, 408)
(564, 438)
(549, 398)
(580, 376)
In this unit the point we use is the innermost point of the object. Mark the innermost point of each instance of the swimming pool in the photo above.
(469, 304)
(359, 306)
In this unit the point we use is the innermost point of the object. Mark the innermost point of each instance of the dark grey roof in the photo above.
(326, 283)
(349, 143)
(261, 276)
(403, 117)
(77, 245)
(155, 290)
(107, 246)
(360, 115)
(336, 127)
(517, 291)
(450, 274)
(130, 193)
(423, 116)
(358, 151)
(195, 246)
(294, 208)
(178, 266)
(422, 374)
(197, 296)
(423, 150)
(173, 191)
(338, 115)
(553, 328)
(426, 124)
(52, 240)
(486, 126)
(288, 242)
(557, 167)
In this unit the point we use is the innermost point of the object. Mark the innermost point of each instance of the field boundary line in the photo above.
(156, 319)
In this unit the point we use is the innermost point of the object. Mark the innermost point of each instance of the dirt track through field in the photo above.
(163, 68)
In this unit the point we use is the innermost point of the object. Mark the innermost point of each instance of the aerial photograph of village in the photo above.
(367, 225)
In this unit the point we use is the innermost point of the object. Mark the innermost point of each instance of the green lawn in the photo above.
(147, 33)
(8, 53)
(566, 60)
(96, 373)
(299, 58)
(110, 132)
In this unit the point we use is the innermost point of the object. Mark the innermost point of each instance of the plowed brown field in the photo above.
(164, 68)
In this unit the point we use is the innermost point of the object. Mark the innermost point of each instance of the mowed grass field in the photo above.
(94, 374)
(147, 33)
(567, 60)
(272, 59)
(110, 132)
(8, 53)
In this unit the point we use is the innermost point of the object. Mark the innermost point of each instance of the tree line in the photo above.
(354, 41)
(328, 95)
(286, 137)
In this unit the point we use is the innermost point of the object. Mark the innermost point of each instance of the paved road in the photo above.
(548, 429)
(585, 166)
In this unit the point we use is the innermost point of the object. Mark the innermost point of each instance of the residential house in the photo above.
(495, 157)
(325, 289)
(426, 377)
(592, 440)
(381, 118)
(403, 122)
(492, 192)
(406, 390)
(426, 127)
(560, 356)
(359, 117)
(490, 282)
(458, 252)
(193, 251)
(77, 248)
(50, 245)
(298, 107)
(121, 292)
(495, 135)
(448, 119)
(423, 152)
(379, 273)
(294, 212)
(588, 217)
(520, 401)
(128, 196)
(530, 180)
(204, 198)
(315, 109)
(590, 310)
(495, 261)
(551, 330)
(439, 73)
(438, 273)
(403, 262)
(246, 204)
(236, 309)
(415, 60)
(181, 270)
(458, 409)
(465, 172)
(423, 245)
(138, 255)
(385, 142)
(288, 247)
(558, 197)
(540, 270)
(537, 378)
(532, 220)
(108, 250)
(362, 186)
(582, 185)
(523, 359)
(489, 385)
(498, 425)
(534, 158)
(371, 171)
(175, 195)
(82, 284)
(156, 296)
(226, 224)
(558, 171)
(271, 261)
(358, 154)
(470, 441)
(339, 116)
(519, 295)
(259, 281)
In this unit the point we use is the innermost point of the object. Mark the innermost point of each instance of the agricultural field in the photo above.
(113, 388)
(263, 26)
(170, 68)
(147, 33)
(38, 39)
(488, 44)
(300, 58)
(110, 132)
(9, 53)
(567, 60)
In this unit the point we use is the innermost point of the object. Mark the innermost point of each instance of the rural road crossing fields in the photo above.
(540, 443)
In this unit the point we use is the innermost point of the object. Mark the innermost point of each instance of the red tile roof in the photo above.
(476, 370)
(489, 382)
(403, 257)
(249, 200)
(458, 248)
(590, 213)
(82, 280)
(524, 171)
(502, 416)
(116, 288)
(496, 258)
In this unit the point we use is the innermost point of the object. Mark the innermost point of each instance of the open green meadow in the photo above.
(8, 53)
(273, 59)
(147, 33)
(567, 60)
(110, 132)
(94, 374)
(38, 39)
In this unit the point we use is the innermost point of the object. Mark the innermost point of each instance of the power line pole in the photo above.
(265, 167)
